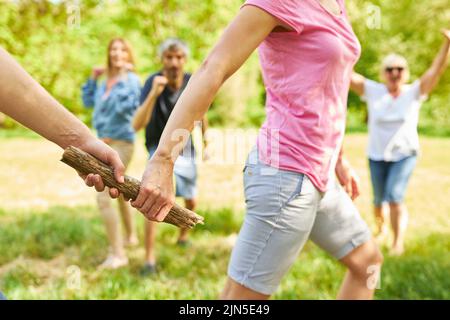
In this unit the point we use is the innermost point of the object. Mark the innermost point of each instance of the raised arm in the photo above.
(24, 100)
(431, 77)
(357, 83)
(128, 96)
(144, 112)
(248, 29)
(90, 87)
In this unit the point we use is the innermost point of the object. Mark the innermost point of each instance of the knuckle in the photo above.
(136, 205)
(157, 193)
(150, 215)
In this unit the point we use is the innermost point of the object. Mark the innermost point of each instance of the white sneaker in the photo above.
(113, 262)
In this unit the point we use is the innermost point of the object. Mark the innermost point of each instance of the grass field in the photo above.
(52, 237)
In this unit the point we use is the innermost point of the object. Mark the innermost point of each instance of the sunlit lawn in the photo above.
(51, 234)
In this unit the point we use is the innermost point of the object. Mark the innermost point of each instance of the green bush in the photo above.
(60, 55)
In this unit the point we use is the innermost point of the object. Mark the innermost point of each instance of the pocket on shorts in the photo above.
(338, 205)
(291, 187)
(262, 188)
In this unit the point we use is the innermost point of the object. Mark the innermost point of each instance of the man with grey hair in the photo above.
(158, 98)
(172, 44)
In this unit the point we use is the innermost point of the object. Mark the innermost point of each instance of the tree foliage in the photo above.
(59, 41)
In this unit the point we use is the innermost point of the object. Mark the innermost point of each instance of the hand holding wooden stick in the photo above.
(85, 164)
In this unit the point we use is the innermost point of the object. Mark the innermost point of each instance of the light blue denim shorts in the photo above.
(185, 172)
(390, 179)
(283, 211)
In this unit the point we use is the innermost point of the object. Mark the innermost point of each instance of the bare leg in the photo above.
(399, 222)
(184, 233)
(111, 220)
(150, 237)
(236, 291)
(364, 266)
(117, 257)
(380, 220)
(128, 221)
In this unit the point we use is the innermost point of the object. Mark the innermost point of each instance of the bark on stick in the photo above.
(86, 163)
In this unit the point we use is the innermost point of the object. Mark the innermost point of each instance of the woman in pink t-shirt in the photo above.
(307, 51)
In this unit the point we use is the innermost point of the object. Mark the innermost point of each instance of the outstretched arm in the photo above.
(248, 29)
(357, 83)
(24, 100)
(431, 77)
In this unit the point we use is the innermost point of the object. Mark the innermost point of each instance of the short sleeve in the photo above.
(415, 91)
(287, 11)
(372, 90)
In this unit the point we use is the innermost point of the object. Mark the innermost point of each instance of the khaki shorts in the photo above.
(124, 149)
(284, 210)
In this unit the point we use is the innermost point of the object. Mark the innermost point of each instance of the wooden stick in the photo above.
(86, 163)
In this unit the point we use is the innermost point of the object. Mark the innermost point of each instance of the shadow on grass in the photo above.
(423, 272)
(196, 272)
(45, 234)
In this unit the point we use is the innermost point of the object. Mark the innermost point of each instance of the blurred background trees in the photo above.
(58, 42)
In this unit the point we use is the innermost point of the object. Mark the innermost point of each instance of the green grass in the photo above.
(50, 228)
(38, 248)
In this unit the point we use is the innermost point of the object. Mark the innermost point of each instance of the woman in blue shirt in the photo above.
(114, 101)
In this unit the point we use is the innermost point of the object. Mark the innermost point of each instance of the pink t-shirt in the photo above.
(307, 76)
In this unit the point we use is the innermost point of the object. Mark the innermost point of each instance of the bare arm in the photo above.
(347, 176)
(357, 83)
(144, 113)
(24, 100)
(431, 77)
(248, 29)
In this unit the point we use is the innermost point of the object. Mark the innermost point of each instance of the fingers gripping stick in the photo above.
(86, 164)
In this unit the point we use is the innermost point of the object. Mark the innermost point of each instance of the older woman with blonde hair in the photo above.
(393, 108)
(115, 100)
